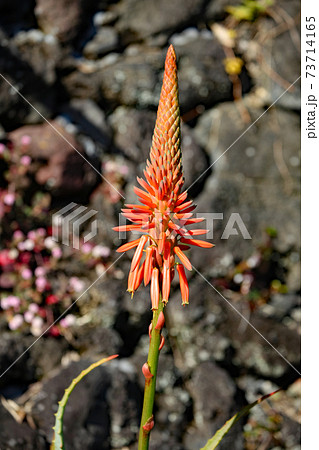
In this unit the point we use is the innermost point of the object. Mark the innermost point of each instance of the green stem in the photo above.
(150, 384)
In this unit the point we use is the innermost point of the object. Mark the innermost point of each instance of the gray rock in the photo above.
(213, 392)
(216, 9)
(272, 71)
(102, 413)
(142, 18)
(18, 436)
(66, 172)
(19, 72)
(135, 79)
(16, 16)
(102, 18)
(201, 74)
(218, 331)
(41, 51)
(105, 41)
(22, 371)
(255, 177)
(133, 132)
(62, 18)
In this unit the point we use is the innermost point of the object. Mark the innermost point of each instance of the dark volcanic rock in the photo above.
(66, 172)
(63, 18)
(212, 387)
(21, 74)
(133, 132)
(13, 352)
(105, 41)
(142, 18)
(135, 79)
(219, 331)
(16, 15)
(41, 52)
(201, 74)
(18, 436)
(103, 411)
(256, 175)
(216, 9)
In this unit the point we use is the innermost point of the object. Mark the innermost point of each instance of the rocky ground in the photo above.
(94, 68)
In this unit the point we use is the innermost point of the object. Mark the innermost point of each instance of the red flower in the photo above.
(51, 299)
(163, 213)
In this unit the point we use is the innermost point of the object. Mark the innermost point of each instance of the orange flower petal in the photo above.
(166, 287)
(128, 246)
(183, 284)
(155, 291)
(139, 277)
(197, 243)
(138, 252)
(148, 265)
(127, 228)
(183, 258)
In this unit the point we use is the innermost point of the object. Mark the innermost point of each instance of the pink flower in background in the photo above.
(101, 251)
(5, 259)
(25, 160)
(16, 322)
(28, 245)
(25, 140)
(21, 246)
(2, 148)
(41, 232)
(28, 316)
(76, 284)
(9, 199)
(32, 235)
(67, 321)
(26, 274)
(41, 283)
(18, 235)
(86, 248)
(33, 307)
(40, 271)
(37, 326)
(10, 302)
(49, 243)
(56, 252)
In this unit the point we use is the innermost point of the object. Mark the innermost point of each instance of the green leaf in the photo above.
(57, 443)
(218, 436)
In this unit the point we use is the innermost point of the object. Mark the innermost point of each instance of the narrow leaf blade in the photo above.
(57, 443)
(218, 436)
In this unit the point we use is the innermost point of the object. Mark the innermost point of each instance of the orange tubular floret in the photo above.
(127, 228)
(166, 285)
(155, 291)
(183, 258)
(139, 252)
(197, 232)
(131, 281)
(139, 277)
(184, 205)
(197, 243)
(148, 265)
(183, 284)
(128, 246)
